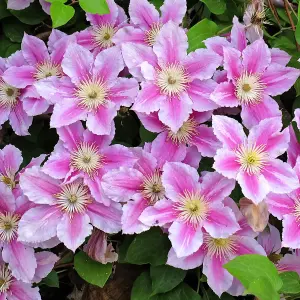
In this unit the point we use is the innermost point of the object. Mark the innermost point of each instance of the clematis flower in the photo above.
(12, 288)
(80, 153)
(191, 133)
(93, 93)
(22, 4)
(100, 35)
(215, 252)
(140, 186)
(286, 207)
(293, 151)
(252, 78)
(63, 210)
(146, 21)
(175, 83)
(252, 160)
(192, 206)
(39, 63)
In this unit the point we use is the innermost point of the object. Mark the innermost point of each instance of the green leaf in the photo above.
(14, 29)
(150, 247)
(263, 289)
(94, 7)
(31, 15)
(181, 292)
(291, 283)
(165, 278)
(200, 32)
(90, 270)
(51, 280)
(7, 47)
(12, 48)
(246, 268)
(157, 3)
(217, 7)
(62, 1)
(141, 289)
(146, 135)
(124, 247)
(60, 13)
(4, 12)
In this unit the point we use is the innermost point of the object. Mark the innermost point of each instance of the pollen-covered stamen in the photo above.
(47, 69)
(192, 208)
(185, 133)
(249, 89)
(73, 198)
(5, 278)
(8, 178)
(297, 209)
(87, 158)
(8, 226)
(152, 33)
(103, 35)
(92, 93)
(152, 188)
(172, 79)
(252, 158)
(8, 95)
(223, 248)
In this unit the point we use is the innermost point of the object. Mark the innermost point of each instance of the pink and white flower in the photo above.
(215, 252)
(80, 153)
(93, 91)
(63, 210)
(191, 206)
(22, 4)
(293, 151)
(253, 77)
(252, 160)
(146, 21)
(174, 83)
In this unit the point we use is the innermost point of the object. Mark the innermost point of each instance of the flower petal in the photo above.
(279, 56)
(21, 290)
(290, 232)
(238, 35)
(224, 95)
(19, 77)
(19, 120)
(173, 10)
(216, 44)
(232, 63)
(226, 163)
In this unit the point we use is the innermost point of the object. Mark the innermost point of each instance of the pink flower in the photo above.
(93, 92)
(80, 153)
(252, 160)
(146, 21)
(215, 252)
(140, 186)
(191, 133)
(286, 207)
(293, 151)
(175, 83)
(21, 4)
(192, 206)
(104, 27)
(270, 240)
(63, 210)
(98, 249)
(12, 289)
(252, 78)
(39, 62)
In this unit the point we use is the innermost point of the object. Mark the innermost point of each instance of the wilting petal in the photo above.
(131, 213)
(185, 238)
(224, 95)
(228, 131)
(19, 77)
(21, 260)
(238, 35)
(21, 290)
(160, 214)
(121, 184)
(255, 187)
(279, 56)
(270, 240)
(279, 205)
(280, 176)
(291, 232)
(179, 178)
(226, 163)
(106, 218)
(192, 157)
(216, 44)
(232, 63)
(171, 44)
(19, 120)
(39, 187)
(39, 224)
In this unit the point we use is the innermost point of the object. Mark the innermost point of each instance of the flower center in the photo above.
(8, 95)
(5, 279)
(152, 188)
(220, 247)
(103, 35)
(92, 93)
(73, 198)
(185, 133)
(172, 79)
(249, 89)
(297, 209)
(251, 158)
(192, 208)
(87, 158)
(47, 69)
(152, 33)
(8, 226)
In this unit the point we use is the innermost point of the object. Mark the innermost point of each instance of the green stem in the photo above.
(224, 29)
(199, 278)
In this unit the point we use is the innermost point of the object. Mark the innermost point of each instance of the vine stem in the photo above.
(274, 12)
